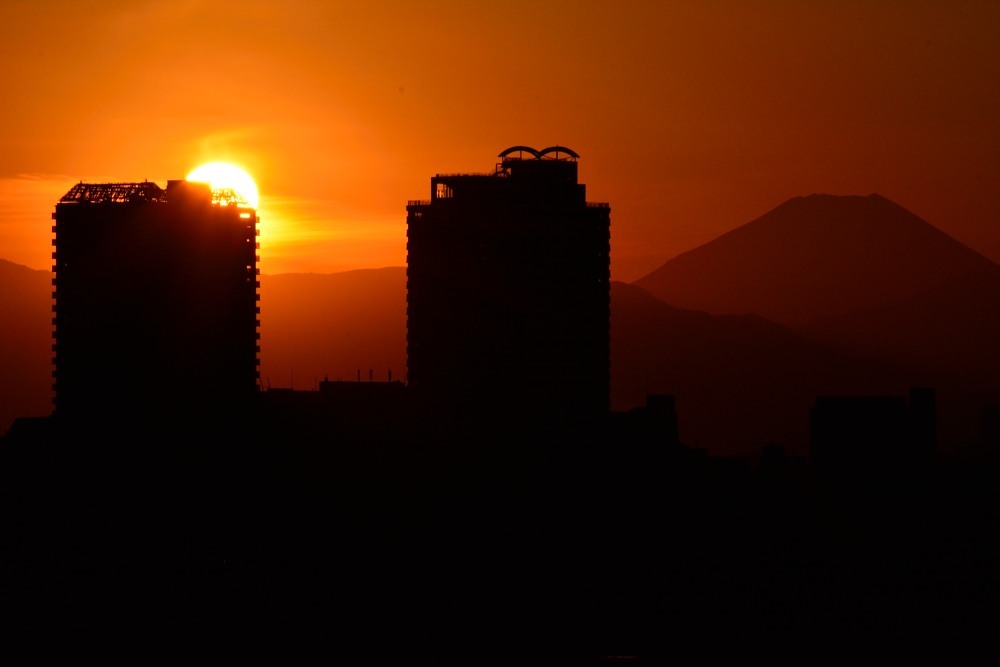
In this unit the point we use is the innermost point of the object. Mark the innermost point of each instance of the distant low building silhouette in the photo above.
(508, 289)
(155, 301)
(653, 425)
(882, 434)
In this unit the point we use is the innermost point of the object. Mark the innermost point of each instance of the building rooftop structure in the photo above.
(114, 193)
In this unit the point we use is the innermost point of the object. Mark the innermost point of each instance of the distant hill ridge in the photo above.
(740, 381)
(816, 257)
(25, 342)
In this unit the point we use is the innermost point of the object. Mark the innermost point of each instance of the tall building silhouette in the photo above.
(508, 289)
(155, 301)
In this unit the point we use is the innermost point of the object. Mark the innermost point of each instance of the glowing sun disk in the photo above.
(226, 175)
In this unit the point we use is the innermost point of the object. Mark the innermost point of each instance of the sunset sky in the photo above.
(691, 118)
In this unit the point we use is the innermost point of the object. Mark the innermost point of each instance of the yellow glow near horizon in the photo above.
(226, 175)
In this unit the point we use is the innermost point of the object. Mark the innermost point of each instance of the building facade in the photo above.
(508, 289)
(155, 301)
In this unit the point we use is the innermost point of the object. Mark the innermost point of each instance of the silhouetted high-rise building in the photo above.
(508, 289)
(155, 301)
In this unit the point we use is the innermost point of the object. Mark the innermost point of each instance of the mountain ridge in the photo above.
(739, 381)
(25, 342)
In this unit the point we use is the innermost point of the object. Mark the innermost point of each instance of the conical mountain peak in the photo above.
(815, 256)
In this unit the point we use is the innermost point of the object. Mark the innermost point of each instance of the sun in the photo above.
(226, 175)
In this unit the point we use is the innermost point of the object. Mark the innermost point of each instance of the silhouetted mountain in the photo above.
(25, 343)
(332, 325)
(860, 274)
(740, 381)
(815, 257)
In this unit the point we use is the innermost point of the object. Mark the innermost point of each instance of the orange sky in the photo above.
(691, 118)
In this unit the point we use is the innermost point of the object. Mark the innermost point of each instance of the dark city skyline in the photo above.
(719, 381)
(511, 498)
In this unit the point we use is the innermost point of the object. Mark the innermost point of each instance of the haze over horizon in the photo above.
(690, 118)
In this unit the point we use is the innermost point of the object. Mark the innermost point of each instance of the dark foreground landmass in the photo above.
(486, 541)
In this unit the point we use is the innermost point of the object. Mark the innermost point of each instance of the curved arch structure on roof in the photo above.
(556, 151)
(519, 149)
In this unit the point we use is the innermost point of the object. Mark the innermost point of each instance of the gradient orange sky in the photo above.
(691, 118)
